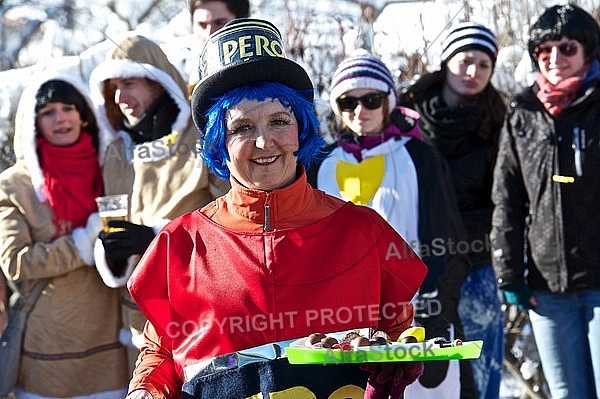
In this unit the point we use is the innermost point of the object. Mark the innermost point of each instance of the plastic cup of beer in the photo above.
(112, 207)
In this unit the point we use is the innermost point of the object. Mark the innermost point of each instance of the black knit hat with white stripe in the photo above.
(469, 35)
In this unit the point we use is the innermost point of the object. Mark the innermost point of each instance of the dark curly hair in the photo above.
(568, 21)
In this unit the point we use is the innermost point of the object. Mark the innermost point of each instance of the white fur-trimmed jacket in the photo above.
(165, 178)
(72, 332)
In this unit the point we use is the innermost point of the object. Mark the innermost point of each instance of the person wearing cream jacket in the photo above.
(154, 160)
(48, 224)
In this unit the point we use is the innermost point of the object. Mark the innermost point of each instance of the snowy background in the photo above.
(74, 35)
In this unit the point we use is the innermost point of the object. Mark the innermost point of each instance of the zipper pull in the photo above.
(267, 226)
(577, 148)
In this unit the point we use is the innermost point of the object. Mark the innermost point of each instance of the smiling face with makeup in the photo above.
(262, 137)
(61, 113)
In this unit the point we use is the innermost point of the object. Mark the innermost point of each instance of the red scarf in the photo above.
(72, 180)
(556, 98)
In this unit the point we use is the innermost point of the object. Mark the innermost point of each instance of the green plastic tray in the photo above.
(395, 352)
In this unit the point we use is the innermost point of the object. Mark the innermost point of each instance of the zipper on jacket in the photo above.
(267, 225)
(578, 146)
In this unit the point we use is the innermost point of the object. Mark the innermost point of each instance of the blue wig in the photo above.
(212, 138)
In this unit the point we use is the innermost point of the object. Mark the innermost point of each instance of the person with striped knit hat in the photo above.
(461, 115)
(380, 161)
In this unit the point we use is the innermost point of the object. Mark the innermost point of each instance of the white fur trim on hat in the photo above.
(362, 71)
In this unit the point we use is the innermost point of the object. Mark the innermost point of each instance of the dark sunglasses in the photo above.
(369, 101)
(568, 49)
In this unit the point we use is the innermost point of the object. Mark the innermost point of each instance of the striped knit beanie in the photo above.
(469, 35)
(361, 71)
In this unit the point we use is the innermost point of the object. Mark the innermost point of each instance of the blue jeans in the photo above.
(567, 334)
(480, 310)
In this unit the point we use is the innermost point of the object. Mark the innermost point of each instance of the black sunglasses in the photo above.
(369, 101)
(568, 49)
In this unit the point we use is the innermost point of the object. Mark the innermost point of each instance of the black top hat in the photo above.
(245, 50)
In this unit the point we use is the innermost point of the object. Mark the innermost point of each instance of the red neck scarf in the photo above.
(72, 180)
(556, 98)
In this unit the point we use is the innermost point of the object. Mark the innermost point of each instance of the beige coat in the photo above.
(164, 178)
(71, 345)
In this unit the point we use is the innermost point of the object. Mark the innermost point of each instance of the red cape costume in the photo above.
(210, 288)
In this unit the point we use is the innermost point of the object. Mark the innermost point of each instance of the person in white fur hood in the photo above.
(48, 224)
(154, 160)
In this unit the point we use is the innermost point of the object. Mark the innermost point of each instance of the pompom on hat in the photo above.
(361, 71)
(469, 35)
(245, 50)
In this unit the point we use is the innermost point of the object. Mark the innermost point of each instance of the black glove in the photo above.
(120, 245)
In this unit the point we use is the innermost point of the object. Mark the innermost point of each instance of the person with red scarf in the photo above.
(546, 189)
(48, 225)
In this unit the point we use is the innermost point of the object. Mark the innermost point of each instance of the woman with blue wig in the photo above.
(228, 287)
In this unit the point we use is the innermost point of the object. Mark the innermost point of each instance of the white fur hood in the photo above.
(139, 57)
(25, 133)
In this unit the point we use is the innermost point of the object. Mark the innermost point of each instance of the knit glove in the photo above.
(389, 380)
(132, 239)
(84, 238)
(518, 293)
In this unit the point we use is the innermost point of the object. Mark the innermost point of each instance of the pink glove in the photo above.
(389, 380)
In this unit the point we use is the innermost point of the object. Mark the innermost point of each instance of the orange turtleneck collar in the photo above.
(244, 209)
